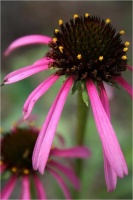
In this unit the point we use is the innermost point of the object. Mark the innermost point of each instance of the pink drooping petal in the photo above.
(104, 99)
(74, 152)
(27, 40)
(37, 93)
(130, 68)
(69, 173)
(107, 135)
(45, 139)
(110, 175)
(41, 136)
(37, 63)
(25, 191)
(121, 81)
(7, 190)
(61, 183)
(25, 72)
(39, 188)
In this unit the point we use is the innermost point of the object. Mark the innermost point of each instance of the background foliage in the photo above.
(21, 18)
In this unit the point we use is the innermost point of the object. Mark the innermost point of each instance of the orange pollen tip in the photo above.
(56, 30)
(75, 16)
(26, 171)
(60, 21)
(107, 21)
(125, 49)
(54, 40)
(100, 58)
(127, 43)
(122, 32)
(14, 169)
(87, 15)
(61, 49)
(79, 56)
(124, 57)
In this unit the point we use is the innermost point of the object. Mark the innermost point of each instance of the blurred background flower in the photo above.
(25, 18)
(16, 161)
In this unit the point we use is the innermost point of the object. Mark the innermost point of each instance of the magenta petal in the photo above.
(26, 40)
(130, 68)
(110, 175)
(107, 135)
(69, 173)
(25, 72)
(37, 93)
(25, 192)
(74, 152)
(7, 190)
(61, 183)
(120, 80)
(45, 139)
(39, 188)
(42, 61)
(104, 99)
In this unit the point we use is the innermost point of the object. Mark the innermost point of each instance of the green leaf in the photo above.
(84, 93)
(85, 97)
(75, 86)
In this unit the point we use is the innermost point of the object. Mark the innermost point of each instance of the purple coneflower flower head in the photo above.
(16, 158)
(87, 51)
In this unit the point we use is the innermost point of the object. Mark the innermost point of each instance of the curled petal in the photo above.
(107, 135)
(61, 183)
(39, 188)
(25, 192)
(25, 72)
(37, 93)
(7, 190)
(37, 63)
(27, 40)
(121, 81)
(74, 152)
(110, 175)
(45, 139)
(68, 172)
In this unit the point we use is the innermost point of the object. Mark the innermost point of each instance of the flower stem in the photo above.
(82, 112)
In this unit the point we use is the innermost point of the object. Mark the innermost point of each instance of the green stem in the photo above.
(82, 112)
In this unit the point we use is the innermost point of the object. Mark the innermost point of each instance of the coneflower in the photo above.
(16, 157)
(87, 51)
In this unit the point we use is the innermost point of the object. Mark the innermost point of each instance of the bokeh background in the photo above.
(21, 18)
